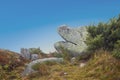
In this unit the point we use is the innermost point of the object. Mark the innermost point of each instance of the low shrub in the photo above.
(116, 50)
(41, 68)
(104, 36)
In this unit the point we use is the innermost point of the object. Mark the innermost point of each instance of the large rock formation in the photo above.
(74, 40)
(28, 70)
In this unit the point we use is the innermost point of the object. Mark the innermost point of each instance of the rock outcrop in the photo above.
(74, 40)
(27, 55)
(28, 70)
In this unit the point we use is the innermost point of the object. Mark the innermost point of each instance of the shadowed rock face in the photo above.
(74, 39)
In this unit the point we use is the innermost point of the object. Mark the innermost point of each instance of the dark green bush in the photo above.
(65, 54)
(56, 54)
(104, 36)
(35, 51)
(116, 51)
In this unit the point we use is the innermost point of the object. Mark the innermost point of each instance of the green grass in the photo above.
(102, 66)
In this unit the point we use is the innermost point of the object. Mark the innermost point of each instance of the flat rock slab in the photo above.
(28, 70)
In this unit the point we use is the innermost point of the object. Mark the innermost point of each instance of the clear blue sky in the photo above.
(34, 23)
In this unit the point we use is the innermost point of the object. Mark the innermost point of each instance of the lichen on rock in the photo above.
(74, 40)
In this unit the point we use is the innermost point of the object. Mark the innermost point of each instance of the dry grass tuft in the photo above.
(102, 66)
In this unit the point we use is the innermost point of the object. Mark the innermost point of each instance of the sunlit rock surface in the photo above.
(74, 40)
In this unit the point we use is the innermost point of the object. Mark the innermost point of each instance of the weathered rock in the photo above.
(28, 70)
(34, 56)
(74, 40)
(25, 53)
(74, 35)
(73, 60)
(82, 65)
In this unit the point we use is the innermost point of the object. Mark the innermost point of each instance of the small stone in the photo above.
(82, 64)
(65, 73)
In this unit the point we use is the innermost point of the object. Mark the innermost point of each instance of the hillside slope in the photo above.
(102, 66)
(11, 65)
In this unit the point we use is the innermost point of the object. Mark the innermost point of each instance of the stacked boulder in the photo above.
(74, 40)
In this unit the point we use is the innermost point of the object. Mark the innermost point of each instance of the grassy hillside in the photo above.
(11, 65)
(102, 66)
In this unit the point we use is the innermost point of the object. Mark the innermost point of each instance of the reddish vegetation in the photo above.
(11, 59)
(3, 60)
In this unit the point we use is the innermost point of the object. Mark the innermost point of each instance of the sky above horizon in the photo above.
(34, 23)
